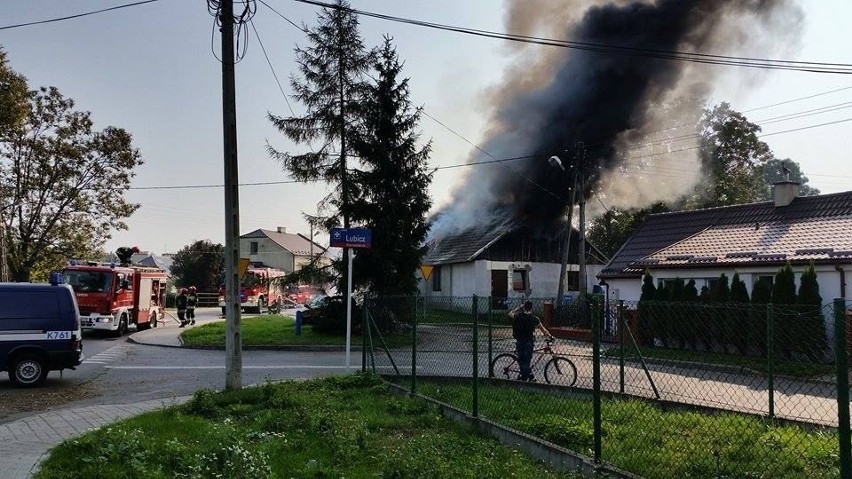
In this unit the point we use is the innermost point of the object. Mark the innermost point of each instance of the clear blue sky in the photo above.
(151, 70)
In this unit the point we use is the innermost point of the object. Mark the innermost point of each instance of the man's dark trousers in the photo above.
(525, 352)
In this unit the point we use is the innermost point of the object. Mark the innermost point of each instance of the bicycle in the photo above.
(557, 370)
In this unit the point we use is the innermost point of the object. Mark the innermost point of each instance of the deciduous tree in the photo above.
(63, 185)
(200, 264)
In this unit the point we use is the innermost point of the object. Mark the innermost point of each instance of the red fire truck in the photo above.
(111, 298)
(259, 288)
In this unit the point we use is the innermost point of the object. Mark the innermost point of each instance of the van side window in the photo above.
(29, 305)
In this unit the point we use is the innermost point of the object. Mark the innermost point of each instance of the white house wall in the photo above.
(828, 280)
(269, 253)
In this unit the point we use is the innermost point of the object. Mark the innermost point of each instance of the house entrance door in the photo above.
(499, 288)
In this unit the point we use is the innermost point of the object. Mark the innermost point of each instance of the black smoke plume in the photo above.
(594, 98)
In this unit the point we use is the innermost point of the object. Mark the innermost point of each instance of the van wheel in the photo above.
(122, 326)
(28, 371)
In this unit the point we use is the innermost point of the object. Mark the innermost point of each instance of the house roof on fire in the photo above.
(496, 241)
(297, 244)
(810, 229)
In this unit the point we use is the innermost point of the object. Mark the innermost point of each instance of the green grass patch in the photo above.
(799, 369)
(274, 330)
(641, 438)
(446, 316)
(349, 426)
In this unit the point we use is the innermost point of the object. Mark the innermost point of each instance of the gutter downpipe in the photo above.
(842, 280)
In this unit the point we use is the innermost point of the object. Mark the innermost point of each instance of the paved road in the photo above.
(124, 378)
(446, 351)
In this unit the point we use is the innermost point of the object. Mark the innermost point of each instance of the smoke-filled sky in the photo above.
(611, 104)
(151, 69)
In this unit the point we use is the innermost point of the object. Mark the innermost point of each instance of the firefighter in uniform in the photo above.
(181, 303)
(191, 303)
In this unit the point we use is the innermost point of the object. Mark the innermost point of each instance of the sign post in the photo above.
(350, 238)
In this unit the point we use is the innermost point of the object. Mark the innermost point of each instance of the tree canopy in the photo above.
(740, 168)
(332, 86)
(200, 264)
(62, 184)
(395, 182)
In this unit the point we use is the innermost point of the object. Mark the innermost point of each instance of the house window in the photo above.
(768, 278)
(572, 281)
(520, 280)
(436, 279)
(253, 247)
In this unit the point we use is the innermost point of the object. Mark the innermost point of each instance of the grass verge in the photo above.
(797, 369)
(641, 438)
(274, 330)
(349, 426)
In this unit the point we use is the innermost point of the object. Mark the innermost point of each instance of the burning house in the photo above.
(616, 88)
(507, 262)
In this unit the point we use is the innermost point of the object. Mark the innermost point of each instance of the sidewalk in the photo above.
(25, 442)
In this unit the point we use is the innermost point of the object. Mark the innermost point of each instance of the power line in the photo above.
(301, 29)
(706, 58)
(271, 68)
(79, 15)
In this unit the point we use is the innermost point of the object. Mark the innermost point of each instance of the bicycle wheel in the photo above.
(505, 366)
(560, 371)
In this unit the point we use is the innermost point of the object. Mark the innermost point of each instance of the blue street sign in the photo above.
(351, 238)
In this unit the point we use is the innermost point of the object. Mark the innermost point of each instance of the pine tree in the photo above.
(761, 296)
(785, 317)
(395, 200)
(690, 292)
(646, 310)
(739, 315)
(332, 87)
(812, 324)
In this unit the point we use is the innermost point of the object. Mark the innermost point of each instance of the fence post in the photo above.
(622, 323)
(842, 360)
(364, 325)
(770, 358)
(414, 349)
(490, 336)
(596, 378)
(475, 411)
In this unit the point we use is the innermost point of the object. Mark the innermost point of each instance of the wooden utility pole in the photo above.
(233, 340)
(581, 186)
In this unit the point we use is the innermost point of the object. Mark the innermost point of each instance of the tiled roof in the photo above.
(466, 245)
(296, 244)
(486, 242)
(811, 228)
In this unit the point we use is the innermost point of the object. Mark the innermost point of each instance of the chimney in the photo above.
(282, 229)
(785, 192)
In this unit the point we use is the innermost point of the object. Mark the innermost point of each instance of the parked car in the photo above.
(317, 306)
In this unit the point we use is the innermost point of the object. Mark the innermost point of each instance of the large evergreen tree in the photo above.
(332, 88)
(395, 181)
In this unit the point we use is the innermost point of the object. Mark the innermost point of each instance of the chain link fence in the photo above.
(658, 389)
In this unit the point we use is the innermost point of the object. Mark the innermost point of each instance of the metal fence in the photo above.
(659, 389)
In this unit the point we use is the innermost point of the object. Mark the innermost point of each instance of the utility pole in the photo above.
(4, 266)
(566, 248)
(581, 185)
(233, 340)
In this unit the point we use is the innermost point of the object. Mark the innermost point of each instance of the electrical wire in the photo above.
(79, 15)
(694, 57)
(271, 68)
